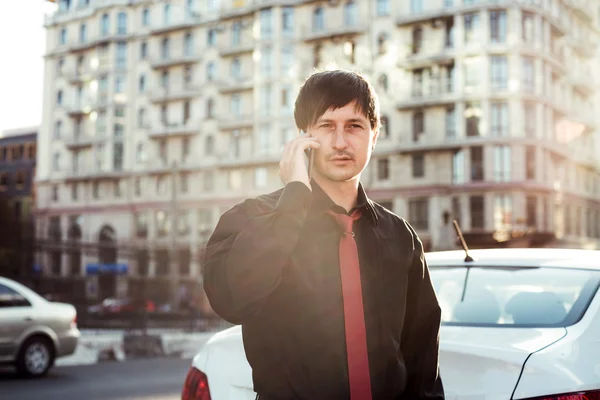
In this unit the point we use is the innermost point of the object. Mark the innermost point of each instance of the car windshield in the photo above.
(513, 297)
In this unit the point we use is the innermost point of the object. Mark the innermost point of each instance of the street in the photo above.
(147, 379)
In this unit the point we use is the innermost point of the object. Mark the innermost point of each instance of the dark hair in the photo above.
(335, 89)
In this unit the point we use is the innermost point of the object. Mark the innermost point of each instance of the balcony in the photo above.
(82, 107)
(582, 46)
(79, 75)
(440, 56)
(174, 60)
(428, 15)
(236, 85)
(245, 46)
(162, 130)
(436, 93)
(231, 121)
(77, 46)
(174, 93)
(583, 81)
(329, 32)
(584, 9)
(84, 174)
(239, 8)
(79, 140)
(183, 22)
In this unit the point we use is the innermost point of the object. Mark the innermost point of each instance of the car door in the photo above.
(15, 317)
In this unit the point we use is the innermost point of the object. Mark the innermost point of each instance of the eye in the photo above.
(325, 126)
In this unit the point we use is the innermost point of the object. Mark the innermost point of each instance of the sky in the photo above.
(23, 44)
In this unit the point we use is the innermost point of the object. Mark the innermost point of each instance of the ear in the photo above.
(374, 140)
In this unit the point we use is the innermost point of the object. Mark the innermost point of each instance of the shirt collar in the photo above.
(323, 203)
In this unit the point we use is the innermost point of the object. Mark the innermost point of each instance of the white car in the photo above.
(516, 324)
(34, 331)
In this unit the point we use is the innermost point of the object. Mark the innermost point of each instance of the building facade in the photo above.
(18, 149)
(159, 116)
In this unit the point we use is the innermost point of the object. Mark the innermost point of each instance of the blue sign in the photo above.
(93, 269)
(37, 268)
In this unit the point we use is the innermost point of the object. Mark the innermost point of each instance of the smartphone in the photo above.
(311, 155)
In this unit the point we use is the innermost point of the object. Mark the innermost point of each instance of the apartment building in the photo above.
(159, 116)
(17, 197)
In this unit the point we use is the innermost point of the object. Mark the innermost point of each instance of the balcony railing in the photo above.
(161, 130)
(186, 21)
(435, 92)
(231, 121)
(174, 59)
(236, 84)
(310, 33)
(79, 140)
(245, 46)
(174, 92)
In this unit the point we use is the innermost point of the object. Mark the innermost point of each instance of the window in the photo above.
(530, 120)
(473, 117)
(209, 144)
(142, 84)
(472, 73)
(62, 38)
(260, 177)
(383, 169)
(266, 95)
(59, 97)
(449, 34)
(499, 119)
(183, 183)
(211, 37)
(417, 39)
(140, 153)
(503, 212)
(3, 181)
(210, 108)
(471, 22)
(527, 26)
(163, 224)
(57, 129)
(458, 168)
(235, 179)
(266, 60)
(384, 130)
(499, 72)
(54, 193)
(236, 34)
(530, 161)
(264, 139)
(121, 59)
(121, 23)
(382, 43)
(141, 224)
(450, 122)
(164, 79)
(188, 45)
(118, 156)
(418, 212)
(417, 83)
(502, 163)
(528, 75)
(287, 104)
(164, 49)
(118, 188)
(164, 115)
(513, 297)
(318, 20)
(477, 163)
(476, 208)
(266, 23)
(209, 181)
(531, 209)
(56, 162)
(418, 125)
(287, 21)
(142, 118)
(350, 13)
(211, 71)
(236, 69)
(186, 111)
(82, 33)
(383, 8)
(236, 105)
(416, 6)
(167, 14)
(418, 165)
(145, 17)
(185, 148)
(10, 298)
(498, 26)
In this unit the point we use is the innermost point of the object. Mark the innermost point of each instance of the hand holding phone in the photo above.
(293, 166)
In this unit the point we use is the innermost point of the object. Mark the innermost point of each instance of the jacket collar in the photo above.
(322, 202)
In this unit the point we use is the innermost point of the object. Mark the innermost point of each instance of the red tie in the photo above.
(354, 315)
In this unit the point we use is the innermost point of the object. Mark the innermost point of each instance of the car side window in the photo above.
(11, 298)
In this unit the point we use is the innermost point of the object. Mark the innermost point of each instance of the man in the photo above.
(320, 321)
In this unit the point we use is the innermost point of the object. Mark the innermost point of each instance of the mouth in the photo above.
(341, 160)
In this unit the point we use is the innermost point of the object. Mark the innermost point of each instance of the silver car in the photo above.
(33, 331)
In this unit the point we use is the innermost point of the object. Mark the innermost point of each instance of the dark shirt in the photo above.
(272, 265)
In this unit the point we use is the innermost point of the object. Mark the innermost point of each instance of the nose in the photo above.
(339, 139)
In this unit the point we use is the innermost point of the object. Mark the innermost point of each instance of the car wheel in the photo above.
(36, 357)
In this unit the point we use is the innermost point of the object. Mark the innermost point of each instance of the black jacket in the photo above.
(272, 265)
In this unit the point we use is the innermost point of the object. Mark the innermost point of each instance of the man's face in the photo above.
(347, 141)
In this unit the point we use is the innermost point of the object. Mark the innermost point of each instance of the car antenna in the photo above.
(468, 258)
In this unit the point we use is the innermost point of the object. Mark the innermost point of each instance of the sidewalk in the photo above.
(94, 344)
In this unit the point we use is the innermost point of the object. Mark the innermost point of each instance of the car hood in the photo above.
(475, 363)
